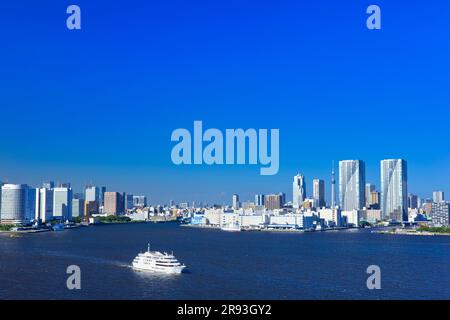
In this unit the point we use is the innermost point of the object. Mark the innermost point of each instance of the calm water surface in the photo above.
(221, 265)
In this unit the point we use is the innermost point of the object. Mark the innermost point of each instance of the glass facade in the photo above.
(394, 189)
(352, 182)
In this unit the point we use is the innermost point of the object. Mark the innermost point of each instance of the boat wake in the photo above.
(89, 259)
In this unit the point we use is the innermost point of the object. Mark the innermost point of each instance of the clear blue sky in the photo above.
(100, 104)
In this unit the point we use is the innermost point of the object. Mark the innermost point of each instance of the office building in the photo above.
(413, 202)
(92, 193)
(352, 181)
(91, 208)
(44, 205)
(438, 196)
(62, 203)
(374, 200)
(440, 213)
(319, 193)
(129, 202)
(273, 201)
(368, 191)
(259, 200)
(236, 204)
(298, 191)
(394, 189)
(14, 204)
(140, 201)
(78, 208)
(114, 203)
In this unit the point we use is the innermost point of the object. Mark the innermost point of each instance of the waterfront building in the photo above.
(62, 203)
(236, 204)
(114, 203)
(370, 215)
(273, 201)
(298, 191)
(229, 219)
(332, 217)
(253, 221)
(294, 221)
(394, 190)
(440, 214)
(91, 208)
(44, 205)
(352, 181)
(351, 217)
(141, 202)
(31, 204)
(14, 204)
(78, 208)
(212, 216)
(319, 193)
(438, 196)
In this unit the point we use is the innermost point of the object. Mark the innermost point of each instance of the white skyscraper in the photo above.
(298, 191)
(352, 181)
(394, 189)
(236, 204)
(92, 194)
(62, 203)
(14, 204)
(438, 196)
(44, 204)
(319, 193)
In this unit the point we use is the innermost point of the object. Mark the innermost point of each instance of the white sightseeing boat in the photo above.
(156, 261)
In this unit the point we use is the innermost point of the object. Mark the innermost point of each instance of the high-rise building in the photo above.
(92, 194)
(102, 191)
(139, 201)
(62, 203)
(48, 185)
(114, 203)
(298, 191)
(273, 201)
(129, 202)
(319, 193)
(438, 196)
(369, 189)
(91, 208)
(78, 207)
(413, 202)
(31, 204)
(440, 214)
(259, 200)
(44, 204)
(236, 204)
(352, 181)
(14, 204)
(394, 189)
(374, 200)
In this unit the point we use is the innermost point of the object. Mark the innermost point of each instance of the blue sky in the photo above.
(99, 104)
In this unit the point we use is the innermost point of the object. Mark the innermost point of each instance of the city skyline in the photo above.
(349, 168)
(334, 89)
